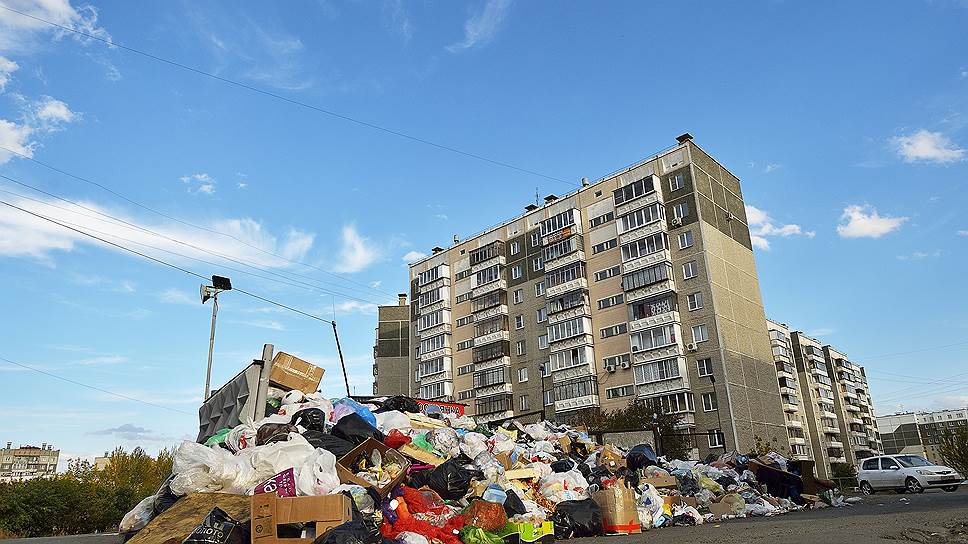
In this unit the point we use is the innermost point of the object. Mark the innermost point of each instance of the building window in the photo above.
(537, 264)
(608, 273)
(524, 403)
(607, 244)
(613, 300)
(680, 210)
(633, 190)
(641, 217)
(522, 375)
(617, 360)
(653, 338)
(689, 270)
(541, 315)
(700, 333)
(466, 320)
(543, 341)
(709, 402)
(567, 329)
(517, 271)
(645, 246)
(466, 344)
(601, 219)
(539, 289)
(656, 371)
(515, 247)
(518, 296)
(705, 367)
(519, 321)
(685, 239)
(549, 397)
(615, 330)
(565, 274)
(652, 307)
(617, 392)
(464, 395)
(695, 301)
(716, 439)
(466, 369)
(463, 297)
(646, 276)
(676, 181)
(558, 222)
(462, 274)
(535, 238)
(521, 347)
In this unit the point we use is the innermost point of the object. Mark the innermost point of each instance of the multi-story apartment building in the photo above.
(826, 396)
(392, 365)
(919, 433)
(27, 462)
(640, 285)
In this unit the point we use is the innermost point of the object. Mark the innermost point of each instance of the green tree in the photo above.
(641, 415)
(954, 449)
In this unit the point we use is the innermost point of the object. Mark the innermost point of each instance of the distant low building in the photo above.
(27, 462)
(391, 351)
(919, 433)
(101, 463)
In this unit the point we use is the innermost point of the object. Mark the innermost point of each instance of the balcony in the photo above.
(654, 321)
(444, 375)
(830, 430)
(798, 440)
(497, 259)
(564, 260)
(491, 337)
(828, 414)
(641, 202)
(835, 444)
(794, 424)
(648, 291)
(570, 313)
(851, 407)
(643, 231)
(442, 352)
(443, 281)
(785, 371)
(666, 352)
(442, 328)
(493, 311)
(577, 283)
(837, 459)
(576, 403)
(493, 363)
(501, 284)
(648, 260)
(791, 408)
(493, 389)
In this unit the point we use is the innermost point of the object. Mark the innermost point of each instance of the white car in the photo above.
(911, 473)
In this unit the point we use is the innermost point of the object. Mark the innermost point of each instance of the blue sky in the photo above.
(847, 125)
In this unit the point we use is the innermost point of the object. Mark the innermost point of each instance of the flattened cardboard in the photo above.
(176, 523)
(662, 481)
(292, 372)
(269, 511)
(720, 509)
(520, 474)
(565, 443)
(347, 476)
(422, 455)
(619, 514)
(676, 500)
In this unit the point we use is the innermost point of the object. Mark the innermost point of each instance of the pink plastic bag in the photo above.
(282, 484)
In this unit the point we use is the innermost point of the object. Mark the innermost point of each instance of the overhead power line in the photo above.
(182, 221)
(292, 101)
(99, 389)
(163, 262)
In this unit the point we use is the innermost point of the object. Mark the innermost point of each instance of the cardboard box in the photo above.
(347, 476)
(269, 511)
(292, 372)
(520, 474)
(176, 523)
(676, 500)
(662, 481)
(612, 464)
(565, 444)
(422, 455)
(720, 509)
(619, 515)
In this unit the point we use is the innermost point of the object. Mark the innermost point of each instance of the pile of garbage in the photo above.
(383, 470)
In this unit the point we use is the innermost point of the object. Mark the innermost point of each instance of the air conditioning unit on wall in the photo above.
(610, 368)
(676, 222)
(691, 346)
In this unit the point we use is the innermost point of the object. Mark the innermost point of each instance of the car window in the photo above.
(913, 461)
(888, 463)
(870, 464)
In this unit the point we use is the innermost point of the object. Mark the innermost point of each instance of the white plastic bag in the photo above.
(393, 419)
(364, 502)
(317, 475)
(407, 537)
(242, 436)
(138, 517)
(564, 486)
(444, 440)
(537, 431)
(200, 468)
(274, 458)
(474, 444)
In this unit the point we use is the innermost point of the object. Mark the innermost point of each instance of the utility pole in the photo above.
(219, 284)
(342, 363)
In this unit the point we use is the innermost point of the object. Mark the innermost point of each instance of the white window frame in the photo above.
(680, 210)
(519, 322)
(700, 333)
(543, 341)
(541, 315)
(517, 296)
(537, 264)
(677, 181)
(685, 239)
(515, 247)
(523, 375)
(539, 289)
(694, 298)
(517, 271)
(524, 402)
(521, 347)
(689, 270)
(713, 439)
(709, 402)
(700, 367)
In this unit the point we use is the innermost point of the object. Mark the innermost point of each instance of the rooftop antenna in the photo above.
(537, 199)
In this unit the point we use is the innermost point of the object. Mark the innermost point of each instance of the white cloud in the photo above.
(821, 331)
(102, 360)
(772, 168)
(376, 284)
(270, 324)
(241, 239)
(919, 255)
(177, 296)
(412, 256)
(441, 216)
(7, 67)
(131, 432)
(963, 233)
(20, 34)
(864, 222)
(53, 112)
(241, 185)
(480, 28)
(354, 306)
(927, 146)
(762, 225)
(357, 253)
(38, 119)
(397, 19)
(199, 183)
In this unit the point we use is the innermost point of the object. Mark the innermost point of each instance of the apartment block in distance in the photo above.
(919, 433)
(391, 352)
(639, 285)
(27, 462)
(826, 402)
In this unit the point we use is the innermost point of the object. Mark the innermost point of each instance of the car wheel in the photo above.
(913, 485)
(866, 488)
(950, 488)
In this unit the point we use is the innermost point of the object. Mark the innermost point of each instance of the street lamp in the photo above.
(219, 284)
(719, 415)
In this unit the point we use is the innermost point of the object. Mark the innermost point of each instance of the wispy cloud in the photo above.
(963, 233)
(441, 216)
(772, 167)
(177, 296)
(21, 34)
(269, 324)
(102, 360)
(762, 226)
(353, 306)
(863, 221)
(38, 119)
(481, 27)
(927, 146)
(397, 19)
(920, 255)
(356, 252)
(199, 183)
(821, 331)
(7, 68)
(131, 433)
(412, 256)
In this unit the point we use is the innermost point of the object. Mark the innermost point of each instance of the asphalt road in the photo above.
(931, 517)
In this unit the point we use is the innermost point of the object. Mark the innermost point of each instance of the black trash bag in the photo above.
(401, 403)
(351, 532)
(164, 498)
(577, 519)
(353, 428)
(450, 480)
(641, 456)
(311, 419)
(336, 446)
(688, 485)
(726, 481)
(513, 506)
(273, 432)
(682, 520)
(219, 528)
(597, 474)
(562, 465)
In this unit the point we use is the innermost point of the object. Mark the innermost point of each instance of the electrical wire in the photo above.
(162, 262)
(182, 221)
(99, 389)
(292, 101)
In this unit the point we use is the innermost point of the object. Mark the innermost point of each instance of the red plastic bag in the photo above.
(489, 516)
(420, 501)
(396, 439)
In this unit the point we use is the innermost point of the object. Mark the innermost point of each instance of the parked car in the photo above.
(905, 473)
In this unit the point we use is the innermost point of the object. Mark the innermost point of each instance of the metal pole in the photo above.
(211, 346)
(341, 362)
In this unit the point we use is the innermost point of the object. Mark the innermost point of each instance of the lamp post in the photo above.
(219, 284)
(719, 415)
